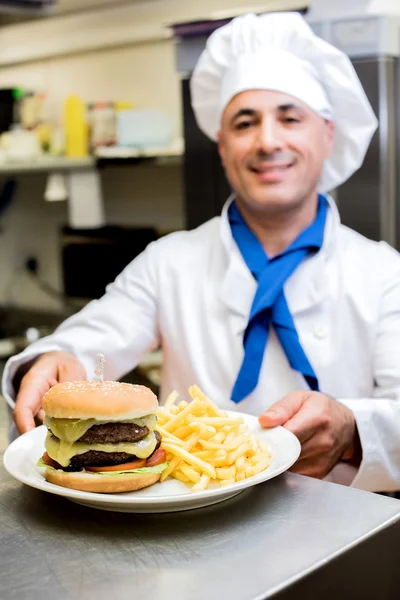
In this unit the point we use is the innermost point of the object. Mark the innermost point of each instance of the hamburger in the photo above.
(101, 437)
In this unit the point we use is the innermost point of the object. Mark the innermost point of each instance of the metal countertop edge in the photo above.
(324, 561)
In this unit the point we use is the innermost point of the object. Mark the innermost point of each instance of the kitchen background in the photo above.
(100, 51)
(111, 59)
(93, 54)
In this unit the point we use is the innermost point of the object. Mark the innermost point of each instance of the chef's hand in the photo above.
(326, 429)
(46, 371)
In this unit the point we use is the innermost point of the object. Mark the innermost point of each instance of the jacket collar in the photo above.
(307, 286)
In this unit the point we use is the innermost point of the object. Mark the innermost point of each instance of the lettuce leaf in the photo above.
(155, 469)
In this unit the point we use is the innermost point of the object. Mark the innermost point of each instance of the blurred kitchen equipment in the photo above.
(56, 188)
(30, 7)
(9, 103)
(19, 145)
(85, 199)
(93, 258)
(21, 327)
(141, 128)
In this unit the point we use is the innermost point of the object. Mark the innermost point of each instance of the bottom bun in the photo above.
(103, 484)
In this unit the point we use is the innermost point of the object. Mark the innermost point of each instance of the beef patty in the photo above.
(114, 433)
(96, 458)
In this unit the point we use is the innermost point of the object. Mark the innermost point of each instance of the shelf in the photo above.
(46, 164)
(163, 154)
(104, 157)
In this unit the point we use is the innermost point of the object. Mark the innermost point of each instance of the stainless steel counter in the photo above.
(292, 537)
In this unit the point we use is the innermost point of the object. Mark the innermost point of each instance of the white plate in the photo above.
(22, 455)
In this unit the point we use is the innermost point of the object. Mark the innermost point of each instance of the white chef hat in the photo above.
(280, 52)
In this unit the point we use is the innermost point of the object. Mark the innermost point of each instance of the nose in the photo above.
(269, 138)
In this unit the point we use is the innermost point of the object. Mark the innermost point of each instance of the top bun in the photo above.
(111, 401)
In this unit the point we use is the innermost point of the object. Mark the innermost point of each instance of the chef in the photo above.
(274, 308)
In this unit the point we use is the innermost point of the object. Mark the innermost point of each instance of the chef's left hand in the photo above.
(326, 429)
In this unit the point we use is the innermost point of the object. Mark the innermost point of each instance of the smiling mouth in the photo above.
(272, 173)
(272, 169)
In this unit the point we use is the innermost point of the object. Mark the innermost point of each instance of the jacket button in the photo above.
(320, 331)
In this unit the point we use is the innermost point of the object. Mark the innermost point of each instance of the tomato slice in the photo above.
(130, 466)
(50, 462)
(157, 458)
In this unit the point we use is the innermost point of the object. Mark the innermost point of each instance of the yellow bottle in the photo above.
(76, 128)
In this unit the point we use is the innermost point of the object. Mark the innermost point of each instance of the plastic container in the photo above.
(76, 128)
(143, 128)
(103, 125)
(20, 145)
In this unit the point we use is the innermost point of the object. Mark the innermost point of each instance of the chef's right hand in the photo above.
(46, 371)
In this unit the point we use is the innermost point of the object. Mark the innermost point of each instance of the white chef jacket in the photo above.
(191, 293)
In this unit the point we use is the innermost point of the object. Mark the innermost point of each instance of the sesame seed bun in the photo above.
(111, 401)
(102, 484)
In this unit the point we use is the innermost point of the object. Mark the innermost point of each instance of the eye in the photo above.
(243, 125)
(291, 120)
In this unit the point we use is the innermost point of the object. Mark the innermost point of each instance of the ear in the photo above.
(221, 145)
(329, 137)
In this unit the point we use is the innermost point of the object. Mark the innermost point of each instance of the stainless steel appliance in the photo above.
(369, 202)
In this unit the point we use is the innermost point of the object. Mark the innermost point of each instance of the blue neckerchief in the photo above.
(269, 304)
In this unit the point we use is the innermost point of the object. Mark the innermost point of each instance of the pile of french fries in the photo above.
(205, 445)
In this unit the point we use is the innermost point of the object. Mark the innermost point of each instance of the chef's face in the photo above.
(273, 149)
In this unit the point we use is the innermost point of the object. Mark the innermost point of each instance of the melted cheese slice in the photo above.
(62, 451)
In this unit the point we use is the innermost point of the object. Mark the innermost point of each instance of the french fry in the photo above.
(183, 432)
(195, 392)
(229, 437)
(227, 473)
(208, 432)
(205, 454)
(218, 421)
(191, 441)
(191, 459)
(177, 474)
(207, 446)
(210, 445)
(263, 464)
(180, 417)
(243, 449)
(221, 461)
(252, 451)
(190, 472)
(240, 463)
(175, 462)
(171, 469)
(166, 434)
(170, 401)
(202, 484)
(170, 440)
(163, 416)
(218, 438)
(221, 452)
(224, 482)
